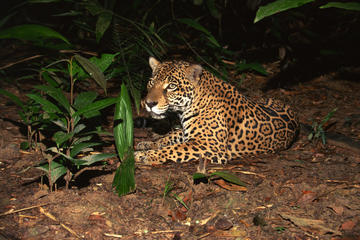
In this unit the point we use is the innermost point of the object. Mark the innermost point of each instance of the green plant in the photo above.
(169, 186)
(257, 67)
(318, 130)
(39, 35)
(65, 118)
(224, 175)
(283, 5)
(280, 229)
(124, 179)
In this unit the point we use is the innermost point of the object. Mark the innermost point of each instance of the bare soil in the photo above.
(310, 191)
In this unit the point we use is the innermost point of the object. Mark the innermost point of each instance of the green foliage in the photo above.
(194, 24)
(169, 186)
(283, 5)
(124, 179)
(278, 6)
(280, 229)
(352, 6)
(318, 130)
(224, 175)
(31, 32)
(123, 129)
(257, 67)
(51, 113)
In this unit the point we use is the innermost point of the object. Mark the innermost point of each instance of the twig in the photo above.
(23, 209)
(20, 61)
(87, 168)
(52, 217)
(113, 235)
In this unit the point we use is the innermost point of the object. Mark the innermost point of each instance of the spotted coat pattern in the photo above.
(218, 123)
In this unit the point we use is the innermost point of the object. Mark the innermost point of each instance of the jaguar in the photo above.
(218, 123)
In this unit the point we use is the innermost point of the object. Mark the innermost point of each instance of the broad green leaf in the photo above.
(61, 123)
(197, 176)
(213, 40)
(229, 177)
(84, 99)
(56, 94)
(278, 6)
(48, 79)
(194, 24)
(31, 32)
(79, 128)
(104, 61)
(82, 139)
(343, 5)
(136, 95)
(124, 179)
(13, 98)
(46, 105)
(61, 137)
(24, 146)
(96, 106)
(91, 114)
(93, 71)
(102, 24)
(123, 126)
(57, 170)
(251, 66)
(90, 159)
(55, 150)
(82, 146)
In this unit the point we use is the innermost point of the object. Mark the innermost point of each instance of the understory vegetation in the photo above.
(69, 44)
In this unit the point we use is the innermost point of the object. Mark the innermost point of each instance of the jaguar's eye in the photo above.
(171, 86)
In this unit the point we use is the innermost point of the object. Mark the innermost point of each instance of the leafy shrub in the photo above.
(51, 112)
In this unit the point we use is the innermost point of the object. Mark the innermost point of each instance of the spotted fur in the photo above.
(218, 123)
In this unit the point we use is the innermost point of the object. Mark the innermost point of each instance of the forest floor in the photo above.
(310, 191)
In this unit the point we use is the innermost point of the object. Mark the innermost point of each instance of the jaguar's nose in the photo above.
(151, 104)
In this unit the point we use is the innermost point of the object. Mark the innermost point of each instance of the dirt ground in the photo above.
(309, 191)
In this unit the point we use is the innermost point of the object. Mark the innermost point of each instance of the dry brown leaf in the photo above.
(229, 186)
(339, 210)
(348, 225)
(307, 197)
(309, 224)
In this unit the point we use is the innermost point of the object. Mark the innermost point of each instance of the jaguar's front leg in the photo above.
(171, 138)
(182, 152)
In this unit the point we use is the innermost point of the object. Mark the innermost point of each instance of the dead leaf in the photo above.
(307, 197)
(229, 186)
(180, 215)
(310, 224)
(348, 225)
(339, 210)
(223, 224)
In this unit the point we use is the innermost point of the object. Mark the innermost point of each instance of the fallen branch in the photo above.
(11, 211)
(52, 217)
(20, 61)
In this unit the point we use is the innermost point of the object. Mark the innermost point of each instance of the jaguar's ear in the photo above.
(153, 63)
(193, 72)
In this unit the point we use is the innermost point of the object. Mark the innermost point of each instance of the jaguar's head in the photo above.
(171, 86)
